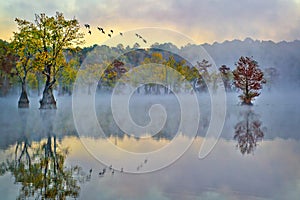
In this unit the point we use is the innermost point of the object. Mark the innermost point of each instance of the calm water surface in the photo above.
(257, 156)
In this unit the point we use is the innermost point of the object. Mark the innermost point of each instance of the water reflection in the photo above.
(39, 167)
(248, 132)
(273, 173)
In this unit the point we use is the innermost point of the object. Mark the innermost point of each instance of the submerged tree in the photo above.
(271, 76)
(24, 47)
(55, 34)
(204, 77)
(249, 78)
(226, 76)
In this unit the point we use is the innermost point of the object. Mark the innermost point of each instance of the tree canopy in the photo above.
(249, 78)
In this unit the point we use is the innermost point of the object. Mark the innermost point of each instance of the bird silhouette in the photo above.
(121, 34)
(91, 170)
(101, 29)
(90, 32)
(144, 40)
(87, 26)
(111, 31)
(137, 35)
(109, 35)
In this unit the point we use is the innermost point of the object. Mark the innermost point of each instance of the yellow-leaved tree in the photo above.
(24, 45)
(55, 34)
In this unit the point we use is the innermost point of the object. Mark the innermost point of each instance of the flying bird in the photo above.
(87, 26)
(109, 35)
(144, 40)
(121, 34)
(101, 29)
(111, 31)
(90, 32)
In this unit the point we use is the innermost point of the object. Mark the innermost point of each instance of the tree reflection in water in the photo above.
(40, 166)
(248, 131)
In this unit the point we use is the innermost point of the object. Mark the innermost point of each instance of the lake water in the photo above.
(256, 157)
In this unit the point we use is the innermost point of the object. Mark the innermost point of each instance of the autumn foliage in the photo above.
(249, 78)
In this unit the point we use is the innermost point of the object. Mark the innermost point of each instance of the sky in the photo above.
(204, 21)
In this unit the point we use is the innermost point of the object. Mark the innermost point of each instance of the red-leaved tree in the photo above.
(249, 78)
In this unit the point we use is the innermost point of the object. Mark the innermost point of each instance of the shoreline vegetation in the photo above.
(42, 57)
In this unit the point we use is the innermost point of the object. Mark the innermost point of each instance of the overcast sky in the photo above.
(202, 20)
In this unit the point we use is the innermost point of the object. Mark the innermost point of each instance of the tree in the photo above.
(67, 77)
(226, 76)
(249, 78)
(112, 73)
(55, 34)
(157, 58)
(24, 47)
(7, 62)
(203, 68)
(271, 76)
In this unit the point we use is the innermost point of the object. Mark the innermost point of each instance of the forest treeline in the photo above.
(131, 57)
(44, 55)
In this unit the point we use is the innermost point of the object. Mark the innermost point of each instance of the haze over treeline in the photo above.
(283, 57)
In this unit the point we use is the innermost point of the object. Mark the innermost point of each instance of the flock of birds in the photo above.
(112, 170)
(110, 32)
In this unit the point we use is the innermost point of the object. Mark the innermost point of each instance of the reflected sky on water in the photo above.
(257, 156)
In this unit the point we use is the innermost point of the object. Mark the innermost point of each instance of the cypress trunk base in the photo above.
(248, 103)
(23, 101)
(48, 101)
(23, 104)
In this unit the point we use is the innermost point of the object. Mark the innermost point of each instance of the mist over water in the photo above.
(269, 169)
(278, 110)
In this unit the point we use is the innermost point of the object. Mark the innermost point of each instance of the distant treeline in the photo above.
(277, 60)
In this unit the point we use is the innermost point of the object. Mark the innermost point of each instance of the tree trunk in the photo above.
(39, 83)
(247, 101)
(246, 98)
(23, 100)
(157, 89)
(48, 101)
(89, 88)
